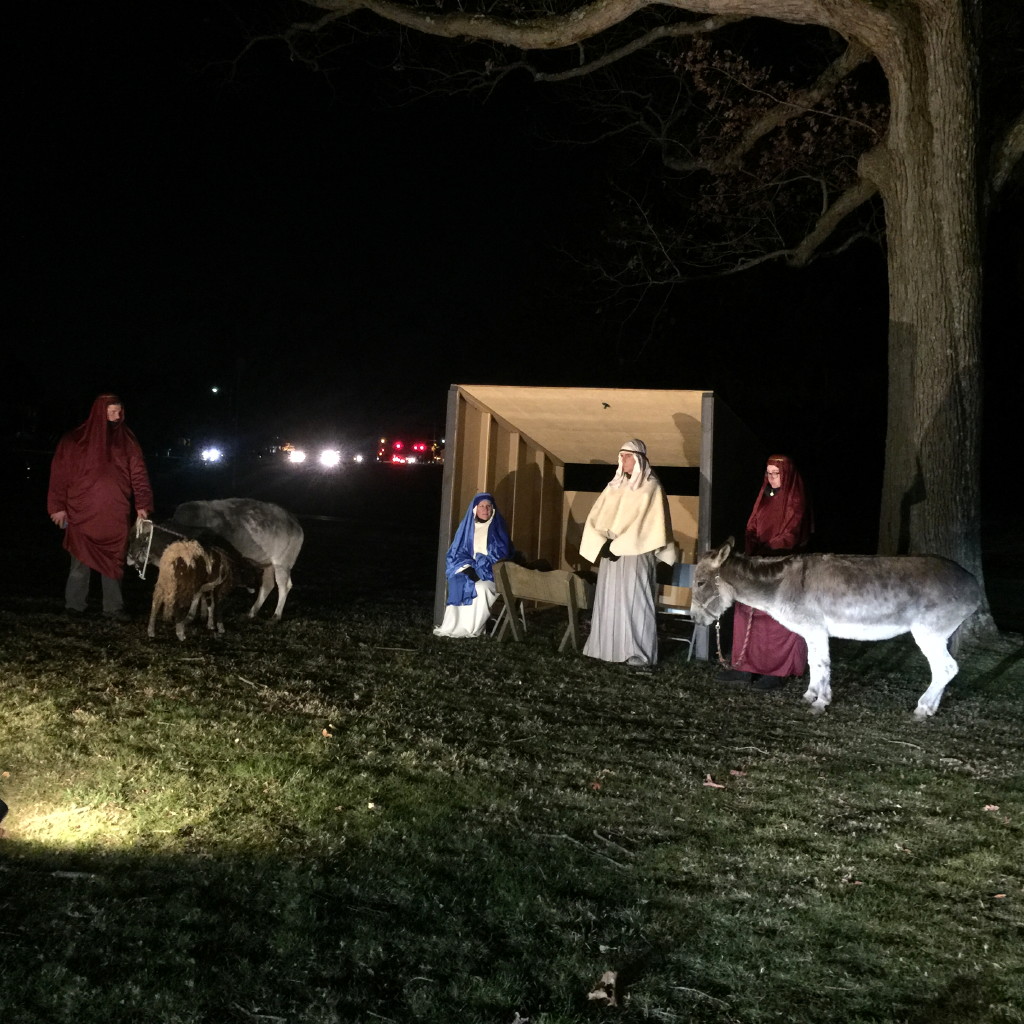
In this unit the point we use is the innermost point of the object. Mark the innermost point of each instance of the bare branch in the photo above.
(289, 35)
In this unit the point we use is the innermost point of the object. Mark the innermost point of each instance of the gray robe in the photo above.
(623, 625)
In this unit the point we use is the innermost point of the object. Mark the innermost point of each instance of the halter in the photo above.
(718, 633)
(149, 544)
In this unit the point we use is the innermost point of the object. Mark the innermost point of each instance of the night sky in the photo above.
(303, 239)
(334, 258)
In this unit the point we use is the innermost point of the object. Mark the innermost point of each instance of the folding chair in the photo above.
(673, 608)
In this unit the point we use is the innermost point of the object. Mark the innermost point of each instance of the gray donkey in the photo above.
(857, 597)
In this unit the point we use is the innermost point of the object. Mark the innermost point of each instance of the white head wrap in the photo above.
(641, 468)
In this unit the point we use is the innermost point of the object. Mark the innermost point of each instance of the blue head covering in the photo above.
(461, 589)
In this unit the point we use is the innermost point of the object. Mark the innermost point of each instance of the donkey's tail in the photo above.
(953, 643)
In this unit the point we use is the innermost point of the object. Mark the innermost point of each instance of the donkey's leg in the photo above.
(154, 611)
(942, 664)
(819, 690)
(283, 579)
(266, 586)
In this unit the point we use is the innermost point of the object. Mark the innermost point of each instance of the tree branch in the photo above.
(546, 32)
(798, 104)
(856, 195)
(554, 31)
(691, 28)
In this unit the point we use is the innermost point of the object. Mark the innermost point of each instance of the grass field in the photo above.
(340, 818)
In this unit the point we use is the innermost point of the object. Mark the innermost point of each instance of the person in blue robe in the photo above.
(481, 540)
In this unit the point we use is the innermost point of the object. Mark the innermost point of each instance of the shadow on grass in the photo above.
(409, 928)
(963, 1001)
(1009, 670)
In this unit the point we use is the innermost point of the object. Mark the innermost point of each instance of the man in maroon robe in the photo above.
(97, 472)
(765, 653)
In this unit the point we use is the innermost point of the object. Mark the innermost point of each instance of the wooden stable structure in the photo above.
(546, 453)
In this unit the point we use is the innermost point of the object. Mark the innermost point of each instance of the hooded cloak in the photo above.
(632, 512)
(780, 521)
(97, 469)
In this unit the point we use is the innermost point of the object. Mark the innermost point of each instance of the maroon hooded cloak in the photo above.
(779, 524)
(96, 471)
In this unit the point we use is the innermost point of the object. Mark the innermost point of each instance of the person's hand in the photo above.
(59, 519)
(606, 552)
(472, 574)
(141, 513)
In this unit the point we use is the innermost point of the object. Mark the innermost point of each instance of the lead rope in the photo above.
(718, 639)
(718, 644)
(746, 638)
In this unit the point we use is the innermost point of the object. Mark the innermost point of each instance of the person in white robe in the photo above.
(628, 530)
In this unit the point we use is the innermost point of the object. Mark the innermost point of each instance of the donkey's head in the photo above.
(712, 596)
(139, 544)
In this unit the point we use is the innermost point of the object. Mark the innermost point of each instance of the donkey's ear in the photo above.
(719, 556)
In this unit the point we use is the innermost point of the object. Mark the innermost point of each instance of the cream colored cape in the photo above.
(636, 521)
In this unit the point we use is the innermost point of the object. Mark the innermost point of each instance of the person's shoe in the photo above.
(638, 665)
(766, 683)
(733, 676)
(119, 616)
(75, 613)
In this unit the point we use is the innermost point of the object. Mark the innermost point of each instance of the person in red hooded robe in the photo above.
(97, 472)
(765, 653)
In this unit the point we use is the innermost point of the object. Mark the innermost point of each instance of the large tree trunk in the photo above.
(926, 173)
